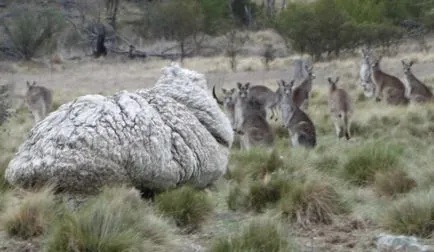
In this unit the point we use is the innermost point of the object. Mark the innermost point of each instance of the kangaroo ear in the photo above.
(224, 90)
(337, 79)
(34, 83)
(329, 79)
(247, 84)
(28, 83)
(239, 85)
(232, 90)
(411, 63)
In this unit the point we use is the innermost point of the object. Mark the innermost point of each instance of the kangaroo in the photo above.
(228, 102)
(300, 126)
(417, 90)
(300, 95)
(387, 86)
(340, 108)
(39, 101)
(250, 120)
(365, 74)
(265, 96)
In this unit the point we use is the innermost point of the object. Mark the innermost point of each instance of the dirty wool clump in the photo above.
(154, 139)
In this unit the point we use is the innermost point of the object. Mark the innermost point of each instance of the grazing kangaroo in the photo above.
(228, 102)
(417, 90)
(250, 120)
(300, 95)
(365, 74)
(340, 108)
(300, 126)
(39, 101)
(387, 86)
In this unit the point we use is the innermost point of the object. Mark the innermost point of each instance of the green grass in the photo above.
(411, 215)
(189, 207)
(363, 162)
(115, 220)
(260, 235)
(31, 216)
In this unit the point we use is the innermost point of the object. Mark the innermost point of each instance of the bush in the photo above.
(260, 235)
(411, 215)
(253, 164)
(187, 206)
(312, 202)
(393, 182)
(115, 220)
(363, 162)
(30, 29)
(31, 216)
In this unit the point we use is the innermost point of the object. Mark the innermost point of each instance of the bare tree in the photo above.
(234, 42)
(112, 7)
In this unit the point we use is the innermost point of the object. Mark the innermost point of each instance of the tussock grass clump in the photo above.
(115, 220)
(263, 193)
(237, 197)
(363, 162)
(313, 201)
(393, 182)
(253, 164)
(260, 235)
(30, 216)
(4, 162)
(187, 206)
(411, 215)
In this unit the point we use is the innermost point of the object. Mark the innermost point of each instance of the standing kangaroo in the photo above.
(250, 120)
(300, 95)
(39, 101)
(365, 74)
(340, 108)
(300, 126)
(229, 100)
(265, 96)
(417, 90)
(387, 86)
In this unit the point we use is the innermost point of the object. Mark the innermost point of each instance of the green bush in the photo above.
(31, 216)
(363, 162)
(411, 215)
(393, 182)
(312, 201)
(187, 206)
(115, 220)
(32, 28)
(260, 235)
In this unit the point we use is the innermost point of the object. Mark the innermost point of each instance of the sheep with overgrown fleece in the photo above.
(154, 139)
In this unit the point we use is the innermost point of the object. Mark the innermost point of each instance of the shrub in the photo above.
(393, 182)
(260, 235)
(187, 206)
(237, 197)
(261, 193)
(254, 164)
(411, 215)
(363, 162)
(30, 28)
(312, 202)
(115, 220)
(4, 184)
(30, 216)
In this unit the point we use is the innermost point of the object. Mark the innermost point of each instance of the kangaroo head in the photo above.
(29, 86)
(407, 66)
(310, 74)
(376, 63)
(285, 88)
(333, 84)
(228, 96)
(243, 90)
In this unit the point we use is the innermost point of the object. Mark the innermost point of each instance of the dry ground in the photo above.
(353, 232)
